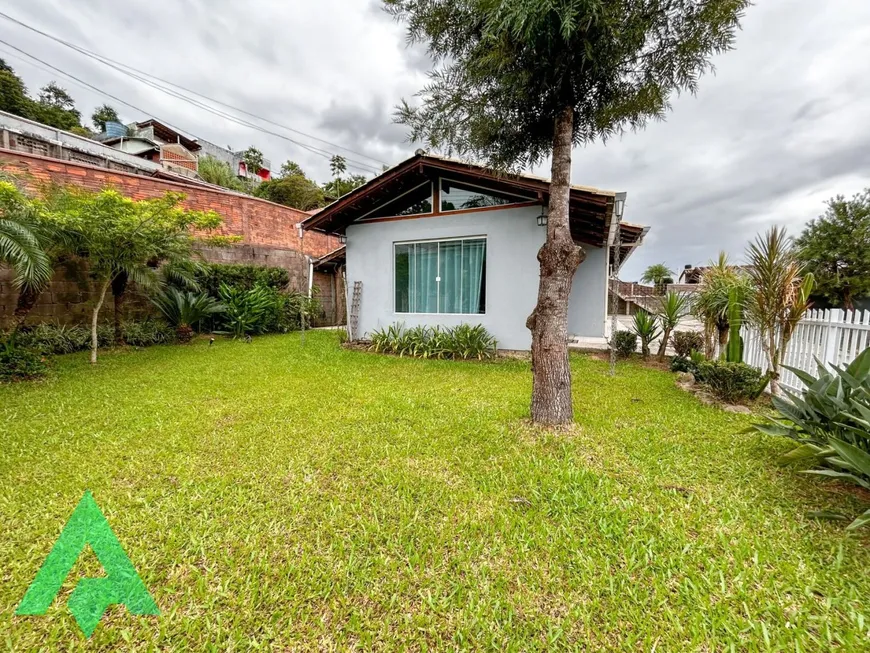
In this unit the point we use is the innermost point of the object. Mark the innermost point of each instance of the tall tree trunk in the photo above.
(663, 347)
(95, 317)
(559, 258)
(25, 303)
(119, 294)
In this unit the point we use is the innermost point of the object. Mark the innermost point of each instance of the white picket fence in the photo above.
(835, 337)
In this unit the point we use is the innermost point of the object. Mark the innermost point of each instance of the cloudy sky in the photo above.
(782, 125)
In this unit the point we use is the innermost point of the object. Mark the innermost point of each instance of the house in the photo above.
(436, 241)
(154, 141)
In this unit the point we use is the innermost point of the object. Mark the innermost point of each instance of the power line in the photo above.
(313, 150)
(120, 67)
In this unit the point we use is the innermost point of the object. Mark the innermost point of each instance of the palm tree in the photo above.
(658, 275)
(20, 247)
(184, 309)
(673, 308)
(779, 297)
(710, 305)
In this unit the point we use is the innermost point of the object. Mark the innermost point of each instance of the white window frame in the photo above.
(438, 278)
(441, 180)
(364, 216)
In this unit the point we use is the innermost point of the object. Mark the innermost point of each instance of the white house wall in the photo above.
(513, 240)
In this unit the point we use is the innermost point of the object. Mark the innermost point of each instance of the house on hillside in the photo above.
(154, 141)
(435, 241)
(235, 162)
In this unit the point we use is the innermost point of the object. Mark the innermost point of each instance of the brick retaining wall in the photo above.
(269, 231)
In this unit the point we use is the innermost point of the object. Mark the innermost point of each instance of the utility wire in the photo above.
(313, 150)
(120, 67)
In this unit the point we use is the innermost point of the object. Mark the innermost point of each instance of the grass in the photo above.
(287, 497)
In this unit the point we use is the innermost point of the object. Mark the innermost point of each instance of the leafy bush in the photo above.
(20, 363)
(646, 327)
(831, 421)
(685, 342)
(682, 364)
(246, 309)
(212, 276)
(147, 332)
(625, 343)
(55, 339)
(185, 310)
(731, 382)
(461, 342)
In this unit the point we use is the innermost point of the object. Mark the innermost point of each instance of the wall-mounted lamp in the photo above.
(618, 207)
(342, 238)
(542, 219)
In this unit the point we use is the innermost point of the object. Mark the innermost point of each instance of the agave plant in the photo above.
(647, 329)
(831, 421)
(184, 310)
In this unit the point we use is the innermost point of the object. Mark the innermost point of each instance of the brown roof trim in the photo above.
(330, 219)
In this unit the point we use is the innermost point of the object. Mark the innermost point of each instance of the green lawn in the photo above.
(287, 497)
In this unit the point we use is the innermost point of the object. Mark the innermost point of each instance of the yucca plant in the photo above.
(646, 328)
(831, 421)
(184, 310)
(673, 307)
(780, 295)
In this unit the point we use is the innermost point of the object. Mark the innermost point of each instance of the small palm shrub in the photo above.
(730, 382)
(20, 363)
(462, 342)
(184, 309)
(625, 343)
(646, 328)
(830, 420)
(685, 342)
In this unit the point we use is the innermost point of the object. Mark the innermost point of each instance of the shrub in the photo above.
(625, 343)
(461, 342)
(830, 420)
(147, 332)
(731, 382)
(682, 364)
(19, 363)
(55, 339)
(246, 310)
(685, 342)
(185, 310)
(212, 276)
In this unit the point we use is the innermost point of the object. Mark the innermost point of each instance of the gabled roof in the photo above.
(591, 209)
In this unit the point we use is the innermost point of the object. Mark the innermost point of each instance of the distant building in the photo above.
(154, 141)
(235, 162)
